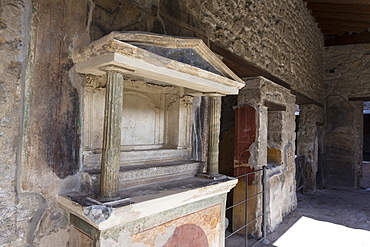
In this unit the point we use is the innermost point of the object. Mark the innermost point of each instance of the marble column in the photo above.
(109, 177)
(214, 133)
(214, 111)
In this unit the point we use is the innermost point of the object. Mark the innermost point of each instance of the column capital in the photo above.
(213, 94)
(117, 69)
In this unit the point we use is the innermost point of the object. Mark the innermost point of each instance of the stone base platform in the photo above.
(158, 214)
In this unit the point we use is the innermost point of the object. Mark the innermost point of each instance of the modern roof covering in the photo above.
(342, 21)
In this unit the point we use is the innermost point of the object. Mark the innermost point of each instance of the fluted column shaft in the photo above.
(109, 177)
(214, 133)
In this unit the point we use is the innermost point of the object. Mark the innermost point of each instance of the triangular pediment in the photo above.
(191, 51)
(161, 59)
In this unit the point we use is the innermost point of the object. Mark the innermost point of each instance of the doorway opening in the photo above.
(365, 181)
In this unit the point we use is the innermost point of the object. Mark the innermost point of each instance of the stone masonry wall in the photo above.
(51, 162)
(39, 115)
(346, 76)
(16, 209)
(308, 142)
(346, 70)
(281, 196)
(39, 89)
(279, 36)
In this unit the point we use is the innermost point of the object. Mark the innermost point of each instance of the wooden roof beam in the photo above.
(332, 31)
(348, 2)
(340, 15)
(342, 28)
(354, 8)
(251, 68)
(358, 38)
(244, 66)
(357, 24)
(359, 98)
(241, 71)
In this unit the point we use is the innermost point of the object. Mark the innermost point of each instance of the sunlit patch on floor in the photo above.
(307, 232)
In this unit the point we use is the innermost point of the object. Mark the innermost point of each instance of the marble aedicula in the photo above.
(150, 82)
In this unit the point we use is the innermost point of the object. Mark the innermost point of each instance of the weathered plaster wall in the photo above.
(52, 137)
(39, 118)
(308, 142)
(16, 209)
(281, 197)
(346, 77)
(164, 228)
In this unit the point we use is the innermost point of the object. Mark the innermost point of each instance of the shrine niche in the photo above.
(153, 118)
(140, 130)
(160, 77)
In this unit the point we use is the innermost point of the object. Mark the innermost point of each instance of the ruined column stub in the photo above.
(213, 139)
(109, 179)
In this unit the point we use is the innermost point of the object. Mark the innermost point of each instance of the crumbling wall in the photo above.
(52, 131)
(347, 82)
(267, 97)
(39, 118)
(16, 209)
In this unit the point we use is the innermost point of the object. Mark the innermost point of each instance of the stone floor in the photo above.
(345, 207)
(365, 181)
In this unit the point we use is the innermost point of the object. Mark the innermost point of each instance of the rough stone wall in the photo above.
(346, 70)
(52, 137)
(279, 36)
(281, 197)
(39, 118)
(308, 142)
(346, 76)
(344, 141)
(16, 209)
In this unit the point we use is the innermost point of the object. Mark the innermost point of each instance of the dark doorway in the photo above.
(366, 149)
(365, 178)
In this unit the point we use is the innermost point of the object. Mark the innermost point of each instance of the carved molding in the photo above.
(94, 81)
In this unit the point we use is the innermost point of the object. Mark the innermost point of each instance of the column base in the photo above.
(212, 176)
(108, 198)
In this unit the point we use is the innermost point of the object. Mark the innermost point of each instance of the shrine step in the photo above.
(92, 159)
(144, 174)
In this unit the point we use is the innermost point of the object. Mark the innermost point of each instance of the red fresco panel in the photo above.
(245, 136)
